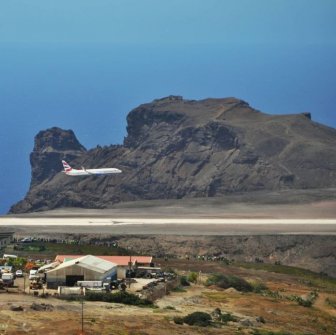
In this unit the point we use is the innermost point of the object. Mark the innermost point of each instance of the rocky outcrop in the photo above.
(51, 146)
(178, 148)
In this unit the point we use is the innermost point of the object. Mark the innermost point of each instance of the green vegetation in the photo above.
(37, 248)
(226, 317)
(306, 277)
(120, 297)
(331, 302)
(170, 307)
(192, 277)
(227, 281)
(179, 289)
(200, 319)
(308, 302)
(272, 332)
(17, 263)
(184, 281)
(272, 294)
(259, 287)
(52, 249)
(178, 320)
(269, 332)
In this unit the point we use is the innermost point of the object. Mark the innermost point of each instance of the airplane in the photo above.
(68, 170)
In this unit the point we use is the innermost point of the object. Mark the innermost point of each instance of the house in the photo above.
(83, 268)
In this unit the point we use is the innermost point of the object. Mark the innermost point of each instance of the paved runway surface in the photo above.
(187, 217)
(178, 226)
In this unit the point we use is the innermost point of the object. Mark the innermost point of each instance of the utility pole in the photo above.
(24, 283)
(82, 333)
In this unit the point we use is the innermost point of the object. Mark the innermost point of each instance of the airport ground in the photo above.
(175, 227)
(278, 312)
(188, 217)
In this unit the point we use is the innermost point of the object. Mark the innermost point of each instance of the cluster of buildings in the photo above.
(67, 270)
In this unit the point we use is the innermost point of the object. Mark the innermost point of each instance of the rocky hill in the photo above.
(178, 148)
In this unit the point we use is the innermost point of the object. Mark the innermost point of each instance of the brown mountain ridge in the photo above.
(178, 148)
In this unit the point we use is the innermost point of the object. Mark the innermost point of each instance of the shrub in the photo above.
(184, 281)
(179, 289)
(226, 317)
(304, 302)
(331, 302)
(301, 301)
(259, 287)
(119, 297)
(178, 320)
(312, 296)
(192, 278)
(198, 319)
(226, 281)
(269, 332)
(214, 279)
(170, 307)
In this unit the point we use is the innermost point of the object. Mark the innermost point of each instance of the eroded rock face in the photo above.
(178, 148)
(50, 147)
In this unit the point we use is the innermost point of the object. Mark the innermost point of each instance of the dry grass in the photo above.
(279, 313)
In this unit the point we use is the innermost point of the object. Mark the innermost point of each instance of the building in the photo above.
(84, 268)
(121, 261)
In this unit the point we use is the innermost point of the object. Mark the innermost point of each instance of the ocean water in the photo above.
(90, 88)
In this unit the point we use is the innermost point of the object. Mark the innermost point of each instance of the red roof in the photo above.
(119, 260)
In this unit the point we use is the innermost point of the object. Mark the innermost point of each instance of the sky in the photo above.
(84, 64)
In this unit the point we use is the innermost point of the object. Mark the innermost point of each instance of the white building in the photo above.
(87, 268)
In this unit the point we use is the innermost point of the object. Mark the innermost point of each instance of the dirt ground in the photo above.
(278, 312)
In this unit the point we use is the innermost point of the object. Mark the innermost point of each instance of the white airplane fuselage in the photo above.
(68, 170)
(88, 172)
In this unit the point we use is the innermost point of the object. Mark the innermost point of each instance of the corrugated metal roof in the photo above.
(119, 260)
(89, 262)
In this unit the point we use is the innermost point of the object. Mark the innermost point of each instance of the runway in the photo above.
(175, 226)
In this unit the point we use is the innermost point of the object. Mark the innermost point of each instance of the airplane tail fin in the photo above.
(66, 166)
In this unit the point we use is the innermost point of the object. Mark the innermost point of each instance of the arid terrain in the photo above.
(255, 313)
(232, 238)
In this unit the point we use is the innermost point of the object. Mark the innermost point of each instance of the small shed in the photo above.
(87, 268)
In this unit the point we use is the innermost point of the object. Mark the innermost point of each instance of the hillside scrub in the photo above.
(227, 281)
(120, 297)
(200, 319)
(305, 302)
(192, 277)
(331, 302)
(259, 287)
(184, 281)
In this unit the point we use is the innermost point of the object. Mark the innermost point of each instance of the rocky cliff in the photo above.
(178, 148)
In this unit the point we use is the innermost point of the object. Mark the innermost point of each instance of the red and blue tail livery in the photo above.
(68, 170)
